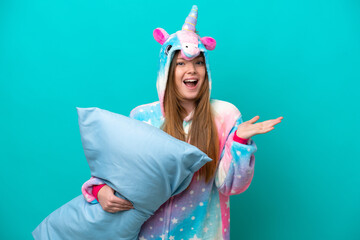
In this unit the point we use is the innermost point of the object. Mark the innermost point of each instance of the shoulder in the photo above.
(227, 116)
(224, 109)
(146, 111)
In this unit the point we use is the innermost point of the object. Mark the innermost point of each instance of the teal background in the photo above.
(297, 59)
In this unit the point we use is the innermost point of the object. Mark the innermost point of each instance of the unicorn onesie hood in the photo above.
(190, 45)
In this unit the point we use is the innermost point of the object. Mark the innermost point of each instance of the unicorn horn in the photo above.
(190, 21)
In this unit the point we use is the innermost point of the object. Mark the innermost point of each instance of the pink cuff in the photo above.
(96, 189)
(239, 139)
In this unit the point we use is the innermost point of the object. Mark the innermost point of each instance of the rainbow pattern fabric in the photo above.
(202, 211)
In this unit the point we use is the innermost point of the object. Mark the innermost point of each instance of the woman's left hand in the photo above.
(250, 128)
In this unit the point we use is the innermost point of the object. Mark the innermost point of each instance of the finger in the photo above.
(121, 203)
(126, 202)
(126, 208)
(270, 123)
(279, 119)
(254, 119)
(114, 210)
(115, 199)
(265, 130)
(121, 208)
(111, 210)
(273, 122)
(117, 205)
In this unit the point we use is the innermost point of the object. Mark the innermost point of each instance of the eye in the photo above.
(180, 63)
(167, 49)
(200, 62)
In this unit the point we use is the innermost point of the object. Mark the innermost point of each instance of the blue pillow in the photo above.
(143, 163)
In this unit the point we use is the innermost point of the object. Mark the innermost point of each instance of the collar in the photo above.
(189, 117)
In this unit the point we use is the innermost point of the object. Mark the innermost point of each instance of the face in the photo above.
(189, 76)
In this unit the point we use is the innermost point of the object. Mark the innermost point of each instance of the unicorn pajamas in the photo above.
(202, 211)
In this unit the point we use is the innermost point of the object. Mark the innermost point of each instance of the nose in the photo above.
(191, 68)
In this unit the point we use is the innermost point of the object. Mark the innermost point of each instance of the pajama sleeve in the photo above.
(87, 189)
(236, 167)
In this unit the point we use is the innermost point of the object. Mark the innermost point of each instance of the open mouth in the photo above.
(191, 83)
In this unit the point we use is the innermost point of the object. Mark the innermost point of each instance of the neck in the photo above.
(189, 106)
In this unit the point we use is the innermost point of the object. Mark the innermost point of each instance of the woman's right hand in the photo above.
(111, 203)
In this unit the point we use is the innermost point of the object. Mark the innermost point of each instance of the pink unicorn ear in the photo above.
(208, 42)
(160, 35)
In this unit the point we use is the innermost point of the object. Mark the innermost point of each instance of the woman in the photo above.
(185, 111)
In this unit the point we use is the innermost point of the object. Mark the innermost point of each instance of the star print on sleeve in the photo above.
(195, 238)
(227, 203)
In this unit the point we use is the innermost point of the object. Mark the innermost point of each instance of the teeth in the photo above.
(190, 80)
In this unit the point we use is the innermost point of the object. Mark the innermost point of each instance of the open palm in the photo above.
(250, 128)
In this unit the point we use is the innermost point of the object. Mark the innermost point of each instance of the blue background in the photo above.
(297, 59)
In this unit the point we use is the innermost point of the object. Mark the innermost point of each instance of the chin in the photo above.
(190, 97)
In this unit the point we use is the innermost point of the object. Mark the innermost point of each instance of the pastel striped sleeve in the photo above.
(87, 189)
(236, 166)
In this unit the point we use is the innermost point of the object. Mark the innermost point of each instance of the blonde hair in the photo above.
(203, 131)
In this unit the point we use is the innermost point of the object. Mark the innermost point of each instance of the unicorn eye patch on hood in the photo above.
(188, 42)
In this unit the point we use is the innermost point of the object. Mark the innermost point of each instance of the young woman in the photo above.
(185, 111)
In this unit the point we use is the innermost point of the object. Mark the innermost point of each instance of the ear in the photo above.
(160, 35)
(208, 42)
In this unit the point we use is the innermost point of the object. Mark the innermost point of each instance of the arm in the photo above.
(236, 166)
(87, 189)
(239, 139)
(96, 189)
